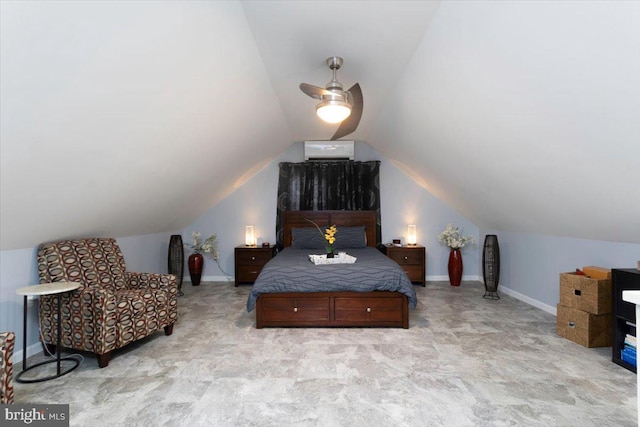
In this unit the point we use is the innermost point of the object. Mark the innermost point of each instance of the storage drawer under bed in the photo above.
(297, 309)
(333, 309)
(368, 309)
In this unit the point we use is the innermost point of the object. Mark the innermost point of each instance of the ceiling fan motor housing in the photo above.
(337, 104)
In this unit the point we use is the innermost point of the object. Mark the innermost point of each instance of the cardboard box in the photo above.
(584, 293)
(599, 273)
(586, 329)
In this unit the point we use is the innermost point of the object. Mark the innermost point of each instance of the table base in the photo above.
(50, 377)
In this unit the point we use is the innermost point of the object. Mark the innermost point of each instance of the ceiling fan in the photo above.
(338, 105)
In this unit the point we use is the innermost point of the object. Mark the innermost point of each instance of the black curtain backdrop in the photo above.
(328, 185)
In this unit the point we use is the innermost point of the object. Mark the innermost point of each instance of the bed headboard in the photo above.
(298, 219)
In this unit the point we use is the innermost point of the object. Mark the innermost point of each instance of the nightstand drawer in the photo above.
(407, 257)
(247, 273)
(414, 272)
(252, 257)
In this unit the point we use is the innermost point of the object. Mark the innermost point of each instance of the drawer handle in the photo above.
(406, 258)
(578, 292)
(295, 309)
(572, 324)
(368, 309)
(253, 258)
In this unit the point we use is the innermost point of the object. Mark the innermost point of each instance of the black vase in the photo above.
(491, 266)
(175, 259)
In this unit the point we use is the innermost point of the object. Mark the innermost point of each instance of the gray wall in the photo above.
(403, 202)
(531, 263)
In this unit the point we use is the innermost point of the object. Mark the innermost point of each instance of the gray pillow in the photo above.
(350, 238)
(308, 238)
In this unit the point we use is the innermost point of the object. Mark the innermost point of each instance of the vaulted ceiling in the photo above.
(126, 118)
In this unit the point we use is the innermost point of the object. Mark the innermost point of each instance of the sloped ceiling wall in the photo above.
(525, 116)
(126, 118)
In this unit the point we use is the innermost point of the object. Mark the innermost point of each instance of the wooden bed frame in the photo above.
(332, 309)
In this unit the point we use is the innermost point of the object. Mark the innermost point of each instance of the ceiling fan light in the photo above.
(333, 111)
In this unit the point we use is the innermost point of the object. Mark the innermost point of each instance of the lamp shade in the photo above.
(333, 111)
(249, 236)
(412, 239)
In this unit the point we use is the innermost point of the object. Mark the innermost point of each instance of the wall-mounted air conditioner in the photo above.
(329, 150)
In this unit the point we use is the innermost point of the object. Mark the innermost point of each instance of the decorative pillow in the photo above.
(350, 238)
(308, 238)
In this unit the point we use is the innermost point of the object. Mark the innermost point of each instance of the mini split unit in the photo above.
(328, 150)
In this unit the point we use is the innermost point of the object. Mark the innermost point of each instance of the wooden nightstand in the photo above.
(249, 261)
(411, 259)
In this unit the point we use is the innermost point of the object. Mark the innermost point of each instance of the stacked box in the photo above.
(585, 293)
(584, 313)
(589, 330)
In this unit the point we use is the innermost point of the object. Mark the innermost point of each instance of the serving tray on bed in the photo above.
(323, 260)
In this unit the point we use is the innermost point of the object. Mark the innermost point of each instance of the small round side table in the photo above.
(37, 290)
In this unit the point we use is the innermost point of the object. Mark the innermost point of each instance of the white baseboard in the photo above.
(542, 306)
(446, 278)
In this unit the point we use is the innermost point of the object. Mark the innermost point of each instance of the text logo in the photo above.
(34, 415)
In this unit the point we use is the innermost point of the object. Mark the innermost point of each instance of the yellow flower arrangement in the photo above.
(329, 235)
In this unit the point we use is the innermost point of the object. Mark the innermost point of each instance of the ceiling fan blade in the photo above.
(314, 91)
(350, 124)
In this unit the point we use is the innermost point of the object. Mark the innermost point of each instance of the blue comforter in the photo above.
(292, 271)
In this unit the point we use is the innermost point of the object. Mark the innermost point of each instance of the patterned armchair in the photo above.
(112, 307)
(7, 340)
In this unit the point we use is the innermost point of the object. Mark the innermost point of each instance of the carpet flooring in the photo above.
(464, 361)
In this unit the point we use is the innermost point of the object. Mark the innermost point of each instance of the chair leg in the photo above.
(168, 330)
(103, 359)
(49, 349)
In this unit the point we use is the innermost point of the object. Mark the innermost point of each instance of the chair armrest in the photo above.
(102, 303)
(91, 310)
(165, 282)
